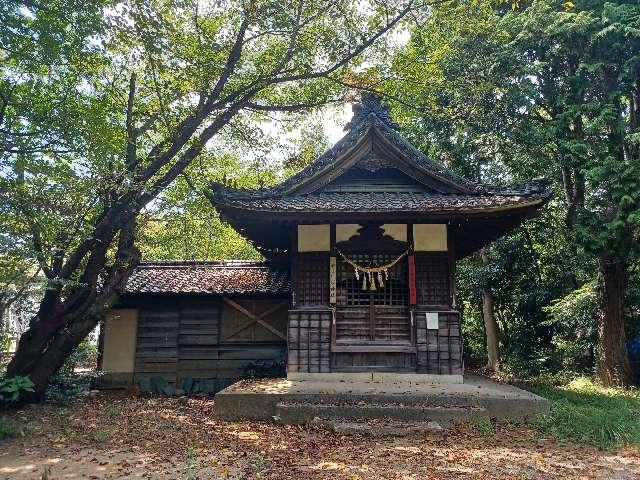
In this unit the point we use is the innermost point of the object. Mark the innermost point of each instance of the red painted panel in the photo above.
(412, 280)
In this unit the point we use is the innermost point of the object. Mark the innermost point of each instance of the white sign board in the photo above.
(432, 320)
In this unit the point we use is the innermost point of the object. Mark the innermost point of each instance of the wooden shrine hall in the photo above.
(372, 230)
(360, 252)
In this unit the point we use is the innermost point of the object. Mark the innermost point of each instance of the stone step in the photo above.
(306, 412)
(382, 398)
(380, 428)
(264, 399)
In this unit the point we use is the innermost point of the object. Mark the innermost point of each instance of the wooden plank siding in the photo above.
(157, 343)
(375, 361)
(205, 338)
(198, 339)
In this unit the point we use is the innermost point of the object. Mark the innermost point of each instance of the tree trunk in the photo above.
(4, 332)
(613, 366)
(59, 327)
(100, 346)
(50, 356)
(490, 324)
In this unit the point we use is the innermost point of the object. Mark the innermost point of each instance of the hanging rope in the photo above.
(380, 268)
(370, 273)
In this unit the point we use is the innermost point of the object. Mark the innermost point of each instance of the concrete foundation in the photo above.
(375, 377)
(302, 401)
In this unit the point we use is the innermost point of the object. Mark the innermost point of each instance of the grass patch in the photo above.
(101, 435)
(483, 426)
(585, 411)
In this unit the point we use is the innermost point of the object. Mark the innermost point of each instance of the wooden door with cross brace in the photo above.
(252, 333)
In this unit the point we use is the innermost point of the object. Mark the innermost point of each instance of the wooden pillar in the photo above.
(293, 259)
(333, 268)
(411, 273)
(413, 298)
(451, 252)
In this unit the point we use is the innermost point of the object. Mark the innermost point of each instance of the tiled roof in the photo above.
(370, 113)
(228, 277)
(383, 202)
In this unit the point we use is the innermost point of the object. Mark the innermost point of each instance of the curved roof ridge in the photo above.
(535, 187)
(370, 104)
(370, 113)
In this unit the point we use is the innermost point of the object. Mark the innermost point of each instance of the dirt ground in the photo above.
(114, 436)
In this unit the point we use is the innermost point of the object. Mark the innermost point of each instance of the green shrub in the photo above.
(83, 357)
(101, 435)
(76, 375)
(265, 369)
(483, 426)
(65, 385)
(11, 388)
(573, 320)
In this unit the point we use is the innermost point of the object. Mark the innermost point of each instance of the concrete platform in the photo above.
(305, 401)
(375, 377)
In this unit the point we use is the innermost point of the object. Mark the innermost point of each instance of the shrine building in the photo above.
(358, 278)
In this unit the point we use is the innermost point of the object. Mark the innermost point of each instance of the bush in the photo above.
(11, 388)
(573, 320)
(85, 357)
(265, 369)
(68, 382)
(64, 386)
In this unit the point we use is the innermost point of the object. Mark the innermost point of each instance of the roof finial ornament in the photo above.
(370, 103)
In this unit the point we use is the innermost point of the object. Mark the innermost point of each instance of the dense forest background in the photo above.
(94, 94)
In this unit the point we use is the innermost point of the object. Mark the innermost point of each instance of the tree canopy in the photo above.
(106, 104)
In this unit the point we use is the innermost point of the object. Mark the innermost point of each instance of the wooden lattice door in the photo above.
(365, 315)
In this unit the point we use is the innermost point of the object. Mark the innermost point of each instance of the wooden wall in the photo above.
(402, 362)
(392, 342)
(439, 351)
(433, 280)
(309, 341)
(212, 338)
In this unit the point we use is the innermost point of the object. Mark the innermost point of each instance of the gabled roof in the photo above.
(371, 151)
(205, 277)
(369, 116)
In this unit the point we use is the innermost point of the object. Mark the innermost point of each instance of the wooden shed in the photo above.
(203, 322)
(359, 277)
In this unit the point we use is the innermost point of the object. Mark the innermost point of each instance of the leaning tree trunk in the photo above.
(490, 324)
(60, 326)
(613, 366)
(41, 360)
